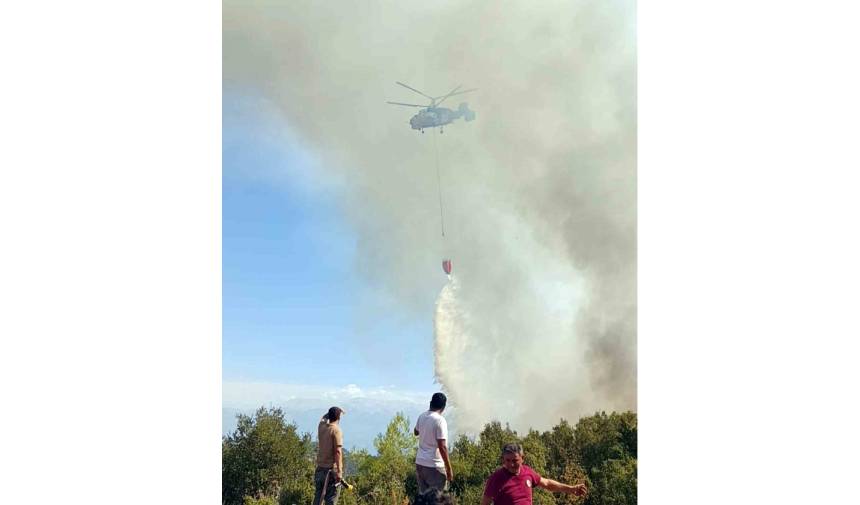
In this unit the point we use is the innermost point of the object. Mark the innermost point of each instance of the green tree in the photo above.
(605, 446)
(262, 456)
(614, 483)
(536, 452)
(599, 438)
(560, 448)
(464, 456)
(385, 478)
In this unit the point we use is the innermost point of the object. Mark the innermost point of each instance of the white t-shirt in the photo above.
(431, 426)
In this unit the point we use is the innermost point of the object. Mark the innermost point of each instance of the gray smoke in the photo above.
(539, 191)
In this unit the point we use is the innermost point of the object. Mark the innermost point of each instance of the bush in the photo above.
(265, 500)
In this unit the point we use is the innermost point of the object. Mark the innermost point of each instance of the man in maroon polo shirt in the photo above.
(512, 483)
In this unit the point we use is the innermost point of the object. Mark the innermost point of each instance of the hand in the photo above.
(449, 475)
(338, 476)
(580, 490)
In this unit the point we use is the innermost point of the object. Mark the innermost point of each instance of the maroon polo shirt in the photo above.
(506, 488)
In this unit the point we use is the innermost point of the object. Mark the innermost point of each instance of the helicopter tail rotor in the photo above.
(467, 113)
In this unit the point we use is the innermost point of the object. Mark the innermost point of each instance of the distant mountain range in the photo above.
(365, 418)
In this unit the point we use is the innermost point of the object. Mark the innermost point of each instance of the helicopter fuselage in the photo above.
(431, 117)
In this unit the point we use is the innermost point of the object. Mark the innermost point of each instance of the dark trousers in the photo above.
(431, 478)
(331, 491)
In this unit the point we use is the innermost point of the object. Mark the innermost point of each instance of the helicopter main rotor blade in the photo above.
(457, 93)
(442, 98)
(413, 89)
(464, 91)
(407, 104)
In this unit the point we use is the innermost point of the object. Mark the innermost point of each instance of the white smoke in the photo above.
(539, 191)
(521, 362)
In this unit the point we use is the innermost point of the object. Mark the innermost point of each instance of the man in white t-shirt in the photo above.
(431, 463)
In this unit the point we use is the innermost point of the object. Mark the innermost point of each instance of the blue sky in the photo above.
(289, 292)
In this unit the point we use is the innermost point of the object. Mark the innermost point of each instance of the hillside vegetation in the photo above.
(267, 461)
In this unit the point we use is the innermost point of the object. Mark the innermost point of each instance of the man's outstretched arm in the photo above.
(557, 487)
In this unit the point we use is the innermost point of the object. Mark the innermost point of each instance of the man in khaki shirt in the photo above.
(329, 458)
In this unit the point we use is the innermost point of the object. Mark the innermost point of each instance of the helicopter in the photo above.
(431, 115)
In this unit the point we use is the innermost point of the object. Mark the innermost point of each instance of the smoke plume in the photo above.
(539, 192)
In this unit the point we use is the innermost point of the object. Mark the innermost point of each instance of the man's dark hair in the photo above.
(512, 449)
(333, 414)
(434, 497)
(438, 401)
